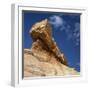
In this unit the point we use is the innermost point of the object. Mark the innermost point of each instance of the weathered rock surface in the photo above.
(45, 58)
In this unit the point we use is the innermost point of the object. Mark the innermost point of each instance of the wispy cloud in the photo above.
(76, 33)
(71, 33)
(57, 21)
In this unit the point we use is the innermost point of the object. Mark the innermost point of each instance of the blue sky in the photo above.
(66, 32)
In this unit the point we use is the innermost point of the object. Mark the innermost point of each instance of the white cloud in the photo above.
(57, 21)
(76, 33)
(77, 27)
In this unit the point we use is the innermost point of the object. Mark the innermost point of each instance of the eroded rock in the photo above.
(42, 31)
(45, 58)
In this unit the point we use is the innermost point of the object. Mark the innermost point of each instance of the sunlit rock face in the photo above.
(45, 58)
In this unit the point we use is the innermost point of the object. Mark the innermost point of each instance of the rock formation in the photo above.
(45, 58)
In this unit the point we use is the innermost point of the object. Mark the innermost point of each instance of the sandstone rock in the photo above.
(42, 31)
(45, 58)
(44, 64)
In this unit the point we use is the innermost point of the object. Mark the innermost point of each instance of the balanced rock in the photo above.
(45, 58)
